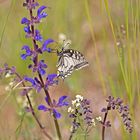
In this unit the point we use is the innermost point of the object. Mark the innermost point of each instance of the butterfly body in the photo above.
(69, 60)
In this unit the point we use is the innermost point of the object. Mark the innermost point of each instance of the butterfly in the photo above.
(68, 61)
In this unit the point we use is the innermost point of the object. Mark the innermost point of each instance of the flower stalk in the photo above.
(35, 65)
(123, 110)
(20, 79)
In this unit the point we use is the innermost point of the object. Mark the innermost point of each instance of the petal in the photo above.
(45, 44)
(27, 29)
(56, 113)
(42, 64)
(61, 99)
(28, 52)
(38, 36)
(35, 4)
(42, 107)
(25, 21)
(42, 15)
(40, 9)
(29, 80)
(27, 49)
(51, 77)
(23, 56)
(42, 71)
(65, 104)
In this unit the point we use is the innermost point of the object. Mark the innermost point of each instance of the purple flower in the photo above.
(43, 108)
(25, 21)
(40, 67)
(30, 5)
(61, 101)
(36, 84)
(45, 44)
(7, 69)
(117, 104)
(40, 13)
(56, 113)
(53, 106)
(38, 36)
(80, 111)
(27, 30)
(51, 80)
(29, 52)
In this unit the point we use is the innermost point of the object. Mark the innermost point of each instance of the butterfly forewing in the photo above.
(70, 60)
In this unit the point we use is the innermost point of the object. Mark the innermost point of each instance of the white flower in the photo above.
(8, 75)
(73, 102)
(93, 122)
(99, 118)
(70, 109)
(77, 104)
(79, 97)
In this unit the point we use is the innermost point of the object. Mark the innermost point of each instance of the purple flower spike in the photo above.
(117, 104)
(45, 44)
(40, 13)
(28, 52)
(25, 21)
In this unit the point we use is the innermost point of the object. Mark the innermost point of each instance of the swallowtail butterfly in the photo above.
(68, 61)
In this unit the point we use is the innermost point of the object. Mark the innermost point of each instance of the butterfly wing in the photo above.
(79, 60)
(70, 60)
(65, 66)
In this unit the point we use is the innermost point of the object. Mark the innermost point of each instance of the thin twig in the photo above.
(104, 121)
(32, 110)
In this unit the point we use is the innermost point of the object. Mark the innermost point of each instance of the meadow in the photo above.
(107, 33)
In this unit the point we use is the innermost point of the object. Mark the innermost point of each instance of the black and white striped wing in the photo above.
(70, 60)
(65, 67)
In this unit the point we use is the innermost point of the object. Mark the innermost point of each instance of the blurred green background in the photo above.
(107, 33)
